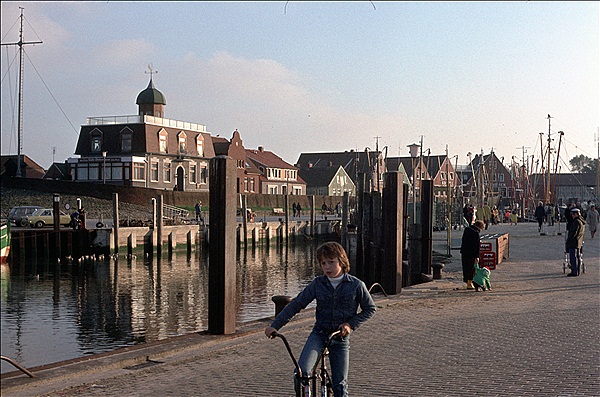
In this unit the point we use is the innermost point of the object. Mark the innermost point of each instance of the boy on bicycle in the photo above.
(338, 295)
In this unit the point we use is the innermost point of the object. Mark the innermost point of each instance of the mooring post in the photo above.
(244, 201)
(159, 225)
(56, 213)
(311, 200)
(426, 225)
(286, 209)
(222, 263)
(345, 202)
(116, 222)
(392, 228)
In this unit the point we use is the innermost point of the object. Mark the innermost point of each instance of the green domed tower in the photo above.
(151, 101)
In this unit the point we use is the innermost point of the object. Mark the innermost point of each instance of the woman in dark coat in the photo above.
(540, 215)
(469, 250)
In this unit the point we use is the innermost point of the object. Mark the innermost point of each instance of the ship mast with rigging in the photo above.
(20, 43)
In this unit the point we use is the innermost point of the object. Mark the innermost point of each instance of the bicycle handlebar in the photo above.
(276, 334)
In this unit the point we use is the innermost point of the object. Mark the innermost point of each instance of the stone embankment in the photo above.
(96, 208)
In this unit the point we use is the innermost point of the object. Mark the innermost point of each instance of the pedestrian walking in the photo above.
(540, 215)
(198, 208)
(592, 219)
(575, 241)
(469, 251)
(338, 295)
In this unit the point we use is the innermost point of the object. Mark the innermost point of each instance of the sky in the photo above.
(298, 77)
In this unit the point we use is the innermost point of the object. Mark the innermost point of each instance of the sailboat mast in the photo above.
(20, 43)
(20, 116)
(548, 198)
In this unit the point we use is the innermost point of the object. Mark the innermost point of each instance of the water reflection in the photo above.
(55, 312)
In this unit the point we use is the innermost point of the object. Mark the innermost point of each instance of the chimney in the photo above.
(261, 149)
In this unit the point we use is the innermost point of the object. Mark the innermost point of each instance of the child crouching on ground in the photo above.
(347, 293)
(481, 278)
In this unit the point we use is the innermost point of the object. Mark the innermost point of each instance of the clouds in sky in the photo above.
(322, 77)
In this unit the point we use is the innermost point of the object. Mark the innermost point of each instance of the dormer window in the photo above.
(162, 141)
(181, 138)
(96, 141)
(126, 139)
(200, 145)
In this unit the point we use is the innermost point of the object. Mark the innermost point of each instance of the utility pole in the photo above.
(20, 43)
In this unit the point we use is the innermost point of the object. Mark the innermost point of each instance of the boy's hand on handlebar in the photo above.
(269, 331)
(345, 329)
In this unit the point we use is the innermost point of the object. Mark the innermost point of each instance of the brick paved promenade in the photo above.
(537, 333)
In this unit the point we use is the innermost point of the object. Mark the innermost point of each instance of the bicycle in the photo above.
(318, 375)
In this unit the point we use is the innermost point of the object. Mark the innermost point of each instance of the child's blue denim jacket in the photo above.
(334, 307)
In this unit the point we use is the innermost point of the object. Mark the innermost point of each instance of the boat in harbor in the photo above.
(4, 241)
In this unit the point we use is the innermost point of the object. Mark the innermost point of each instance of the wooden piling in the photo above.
(115, 198)
(392, 228)
(222, 267)
(159, 225)
(426, 225)
(56, 213)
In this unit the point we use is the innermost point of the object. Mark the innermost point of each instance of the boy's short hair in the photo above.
(479, 224)
(332, 249)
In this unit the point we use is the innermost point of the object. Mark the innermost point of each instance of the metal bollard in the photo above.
(280, 301)
(437, 270)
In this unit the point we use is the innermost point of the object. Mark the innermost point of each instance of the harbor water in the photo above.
(53, 312)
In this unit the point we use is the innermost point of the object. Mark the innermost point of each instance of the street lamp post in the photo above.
(414, 151)
(103, 168)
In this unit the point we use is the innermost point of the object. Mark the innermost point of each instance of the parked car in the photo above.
(45, 217)
(17, 215)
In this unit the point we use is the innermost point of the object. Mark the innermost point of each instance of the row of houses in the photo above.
(151, 151)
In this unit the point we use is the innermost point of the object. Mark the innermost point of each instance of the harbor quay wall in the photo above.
(143, 196)
(43, 244)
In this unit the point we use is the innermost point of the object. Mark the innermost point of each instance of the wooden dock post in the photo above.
(392, 228)
(159, 225)
(312, 215)
(222, 266)
(56, 212)
(116, 222)
(426, 225)
(244, 201)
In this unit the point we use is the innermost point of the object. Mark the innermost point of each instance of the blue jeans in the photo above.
(575, 259)
(339, 357)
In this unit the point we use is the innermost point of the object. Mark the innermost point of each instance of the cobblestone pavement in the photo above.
(537, 333)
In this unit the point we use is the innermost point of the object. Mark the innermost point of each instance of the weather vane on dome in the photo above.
(151, 70)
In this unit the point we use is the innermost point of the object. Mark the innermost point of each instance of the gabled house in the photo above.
(369, 163)
(328, 182)
(414, 170)
(442, 173)
(488, 180)
(29, 168)
(248, 175)
(58, 171)
(277, 176)
(145, 150)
